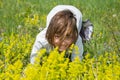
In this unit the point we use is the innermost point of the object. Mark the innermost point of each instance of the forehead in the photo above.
(64, 28)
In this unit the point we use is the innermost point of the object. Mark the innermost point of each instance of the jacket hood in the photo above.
(73, 9)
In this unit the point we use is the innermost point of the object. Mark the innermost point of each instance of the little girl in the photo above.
(62, 29)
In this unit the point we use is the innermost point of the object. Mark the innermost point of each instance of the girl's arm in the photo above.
(79, 53)
(39, 43)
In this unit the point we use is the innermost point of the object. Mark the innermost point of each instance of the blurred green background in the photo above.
(29, 17)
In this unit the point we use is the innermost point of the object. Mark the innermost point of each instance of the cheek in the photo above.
(69, 43)
(56, 42)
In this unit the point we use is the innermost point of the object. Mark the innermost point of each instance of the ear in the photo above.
(86, 30)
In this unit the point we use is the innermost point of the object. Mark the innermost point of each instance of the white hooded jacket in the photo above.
(41, 41)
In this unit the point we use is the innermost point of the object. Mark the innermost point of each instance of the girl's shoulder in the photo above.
(40, 38)
(42, 33)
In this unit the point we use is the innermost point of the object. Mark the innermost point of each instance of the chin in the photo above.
(60, 50)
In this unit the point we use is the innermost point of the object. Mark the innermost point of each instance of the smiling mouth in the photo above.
(62, 48)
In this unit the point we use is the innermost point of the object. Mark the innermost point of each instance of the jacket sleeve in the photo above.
(79, 44)
(38, 44)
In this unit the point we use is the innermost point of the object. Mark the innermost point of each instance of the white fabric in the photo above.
(41, 40)
(73, 9)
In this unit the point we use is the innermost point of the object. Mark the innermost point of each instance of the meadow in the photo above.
(22, 20)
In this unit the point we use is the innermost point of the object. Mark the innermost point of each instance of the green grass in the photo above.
(16, 43)
(104, 14)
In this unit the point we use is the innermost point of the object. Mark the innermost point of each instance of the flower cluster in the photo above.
(14, 63)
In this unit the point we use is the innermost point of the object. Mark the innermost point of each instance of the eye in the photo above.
(68, 36)
(56, 36)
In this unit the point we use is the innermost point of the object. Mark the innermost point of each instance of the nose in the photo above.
(63, 42)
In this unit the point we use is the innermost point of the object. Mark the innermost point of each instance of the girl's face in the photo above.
(62, 30)
(63, 43)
